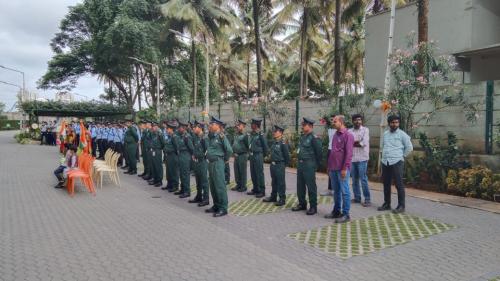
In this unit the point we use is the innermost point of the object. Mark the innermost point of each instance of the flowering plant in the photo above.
(420, 75)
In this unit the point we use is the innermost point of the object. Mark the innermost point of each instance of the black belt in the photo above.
(216, 158)
(307, 160)
(277, 162)
(243, 153)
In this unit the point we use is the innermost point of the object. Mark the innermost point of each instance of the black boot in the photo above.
(203, 203)
(281, 202)
(269, 199)
(196, 199)
(299, 208)
(311, 211)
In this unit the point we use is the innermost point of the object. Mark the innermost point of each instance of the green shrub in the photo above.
(477, 182)
(9, 124)
(23, 138)
(437, 160)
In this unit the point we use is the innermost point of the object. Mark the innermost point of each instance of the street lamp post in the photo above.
(387, 84)
(18, 71)
(10, 84)
(157, 69)
(207, 58)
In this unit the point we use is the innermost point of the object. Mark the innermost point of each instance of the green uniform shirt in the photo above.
(146, 139)
(131, 135)
(241, 143)
(309, 148)
(171, 144)
(200, 147)
(218, 146)
(157, 141)
(258, 143)
(280, 151)
(185, 143)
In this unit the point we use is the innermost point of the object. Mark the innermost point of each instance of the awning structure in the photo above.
(483, 51)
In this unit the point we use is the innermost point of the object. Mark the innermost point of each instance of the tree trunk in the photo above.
(248, 77)
(336, 79)
(423, 29)
(337, 44)
(257, 45)
(195, 82)
(356, 79)
(302, 52)
(306, 75)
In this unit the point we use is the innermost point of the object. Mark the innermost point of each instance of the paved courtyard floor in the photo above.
(138, 232)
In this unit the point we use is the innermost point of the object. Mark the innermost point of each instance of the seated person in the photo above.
(67, 163)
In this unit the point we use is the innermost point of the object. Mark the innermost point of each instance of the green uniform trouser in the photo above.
(131, 150)
(257, 172)
(306, 177)
(145, 160)
(157, 166)
(227, 173)
(200, 173)
(240, 171)
(172, 164)
(217, 184)
(184, 171)
(278, 180)
(149, 163)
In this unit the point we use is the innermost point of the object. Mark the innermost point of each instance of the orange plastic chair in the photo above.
(83, 173)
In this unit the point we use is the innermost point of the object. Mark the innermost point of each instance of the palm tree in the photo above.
(257, 12)
(202, 19)
(311, 27)
(423, 26)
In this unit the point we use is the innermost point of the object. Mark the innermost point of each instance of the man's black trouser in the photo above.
(395, 172)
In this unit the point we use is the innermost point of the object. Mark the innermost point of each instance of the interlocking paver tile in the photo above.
(125, 234)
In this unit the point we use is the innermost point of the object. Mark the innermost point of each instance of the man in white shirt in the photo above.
(360, 156)
(331, 133)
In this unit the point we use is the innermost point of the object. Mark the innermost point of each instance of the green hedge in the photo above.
(9, 125)
(74, 109)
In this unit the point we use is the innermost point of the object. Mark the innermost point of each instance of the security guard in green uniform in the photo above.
(171, 152)
(142, 131)
(309, 158)
(258, 149)
(218, 152)
(131, 138)
(185, 146)
(280, 157)
(227, 169)
(156, 148)
(200, 165)
(148, 161)
(241, 144)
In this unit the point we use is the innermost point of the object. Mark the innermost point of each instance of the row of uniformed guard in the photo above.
(183, 146)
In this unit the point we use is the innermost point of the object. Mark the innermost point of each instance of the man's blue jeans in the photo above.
(358, 173)
(341, 192)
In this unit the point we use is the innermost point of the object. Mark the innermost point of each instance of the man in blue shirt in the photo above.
(117, 141)
(98, 138)
(396, 146)
(111, 136)
(76, 128)
(93, 135)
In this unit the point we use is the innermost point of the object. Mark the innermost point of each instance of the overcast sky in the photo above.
(26, 28)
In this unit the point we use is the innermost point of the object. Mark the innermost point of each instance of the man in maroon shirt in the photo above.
(339, 165)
